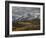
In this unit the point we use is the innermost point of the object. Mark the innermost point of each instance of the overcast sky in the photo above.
(25, 11)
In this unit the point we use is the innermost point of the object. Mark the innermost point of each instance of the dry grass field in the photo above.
(26, 25)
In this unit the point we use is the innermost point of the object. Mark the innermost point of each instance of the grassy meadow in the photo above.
(26, 25)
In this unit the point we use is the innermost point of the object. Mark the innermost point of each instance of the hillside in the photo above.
(33, 24)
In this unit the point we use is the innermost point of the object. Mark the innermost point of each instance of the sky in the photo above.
(25, 11)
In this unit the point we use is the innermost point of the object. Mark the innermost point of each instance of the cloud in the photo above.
(25, 11)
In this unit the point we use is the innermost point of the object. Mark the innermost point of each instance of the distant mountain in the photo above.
(24, 18)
